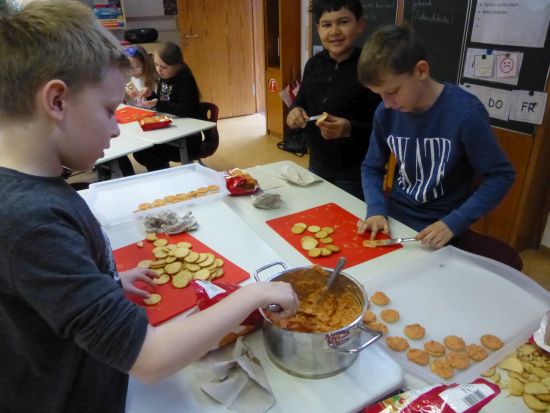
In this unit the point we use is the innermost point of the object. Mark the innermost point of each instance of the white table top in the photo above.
(123, 145)
(180, 128)
(181, 392)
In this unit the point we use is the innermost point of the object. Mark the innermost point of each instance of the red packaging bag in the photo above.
(209, 293)
(440, 398)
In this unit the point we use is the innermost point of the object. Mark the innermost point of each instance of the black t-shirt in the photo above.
(333, 87)
(69, 336)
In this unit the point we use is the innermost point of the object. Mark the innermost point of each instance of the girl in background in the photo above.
(143, 84)
(178, 95)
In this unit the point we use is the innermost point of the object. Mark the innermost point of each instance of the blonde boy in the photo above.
(69, 336)
(442, 139)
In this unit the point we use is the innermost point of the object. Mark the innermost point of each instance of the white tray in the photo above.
(452, 292)
(116, 201)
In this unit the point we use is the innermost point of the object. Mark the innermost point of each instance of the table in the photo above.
(174, 135)
(246, 239)
(121, 146)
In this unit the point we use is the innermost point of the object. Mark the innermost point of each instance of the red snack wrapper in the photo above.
(239, 182)
(155, 122)
(209, 293)
(440, 398)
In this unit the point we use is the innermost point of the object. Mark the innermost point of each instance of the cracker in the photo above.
(369, 317)
(458, 360)
(417, 356)
(476, 352)
(314, 252)
(397, 343)
(434, 348)
(414, 331)
(442, 369)
(491, 342)
(313, 228)
(162, 279)
(153, 299)
(454, 343)
(379, 298)
(377, 326)
(389, 315)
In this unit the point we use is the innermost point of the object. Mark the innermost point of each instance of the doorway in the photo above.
(222, 41)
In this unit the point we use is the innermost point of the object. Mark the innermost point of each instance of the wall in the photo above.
(150, 13)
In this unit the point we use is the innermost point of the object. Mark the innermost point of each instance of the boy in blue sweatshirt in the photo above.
(442, 140)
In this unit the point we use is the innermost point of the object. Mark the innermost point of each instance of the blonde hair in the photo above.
(390, 50)
(52, 39)
(149, 71)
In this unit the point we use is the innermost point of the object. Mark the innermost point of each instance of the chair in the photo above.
(211, 138)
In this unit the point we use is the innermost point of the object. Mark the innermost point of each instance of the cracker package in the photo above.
(209, 293)
(240, 183)
(440, 398)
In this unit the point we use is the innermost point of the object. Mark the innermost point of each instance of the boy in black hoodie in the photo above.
(337, 144)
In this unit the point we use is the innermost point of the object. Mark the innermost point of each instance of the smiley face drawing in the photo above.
(506, 65)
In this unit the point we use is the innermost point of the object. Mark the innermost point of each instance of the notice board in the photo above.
(533, 73)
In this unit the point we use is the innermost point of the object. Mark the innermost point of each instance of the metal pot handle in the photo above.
(265, 267)
(377, 335)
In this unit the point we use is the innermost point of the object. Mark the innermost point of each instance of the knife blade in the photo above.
(393, 241)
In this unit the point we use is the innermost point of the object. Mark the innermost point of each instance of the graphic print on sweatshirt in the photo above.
(422, 165)
(165, 91)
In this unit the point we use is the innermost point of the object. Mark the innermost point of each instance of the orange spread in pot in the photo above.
(337, 308)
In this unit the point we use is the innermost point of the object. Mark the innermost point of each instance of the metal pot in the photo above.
(316, 355)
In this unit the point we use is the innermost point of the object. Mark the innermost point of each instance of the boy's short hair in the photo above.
(391, 50)
(318, 7)
(52, 39)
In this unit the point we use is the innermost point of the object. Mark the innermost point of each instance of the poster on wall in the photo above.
(511, 23)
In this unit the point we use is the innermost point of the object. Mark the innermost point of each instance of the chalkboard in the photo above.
(533, 74)
(377, 13)
(441, 25)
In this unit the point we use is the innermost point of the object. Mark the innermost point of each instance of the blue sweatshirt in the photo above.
(439, 153)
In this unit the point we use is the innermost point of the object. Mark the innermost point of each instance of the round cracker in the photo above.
(153, 299)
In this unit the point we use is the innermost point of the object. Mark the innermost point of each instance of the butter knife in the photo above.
(393, 241)
(385, 242)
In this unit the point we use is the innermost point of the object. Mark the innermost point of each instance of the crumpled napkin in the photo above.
(240, 383)
(299, 177)
(264, 200)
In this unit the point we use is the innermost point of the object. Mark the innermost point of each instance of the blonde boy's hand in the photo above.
(128, 278)
(297, 118)
(276, 292)
(334, 127)
(375, 224)
(435, 235)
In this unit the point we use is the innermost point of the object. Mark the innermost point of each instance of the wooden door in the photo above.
(217, 43)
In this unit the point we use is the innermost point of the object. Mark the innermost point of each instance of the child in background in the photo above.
(69, 335)
(143, 83)
(442, 140)
(338, 144)
(178, 94)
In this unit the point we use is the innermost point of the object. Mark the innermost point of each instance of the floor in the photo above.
(244, 144)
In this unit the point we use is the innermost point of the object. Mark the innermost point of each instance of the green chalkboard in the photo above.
(377, 13)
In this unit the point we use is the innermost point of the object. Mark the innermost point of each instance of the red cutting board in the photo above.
(174, 300)
(130, 114)
(345, 234)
